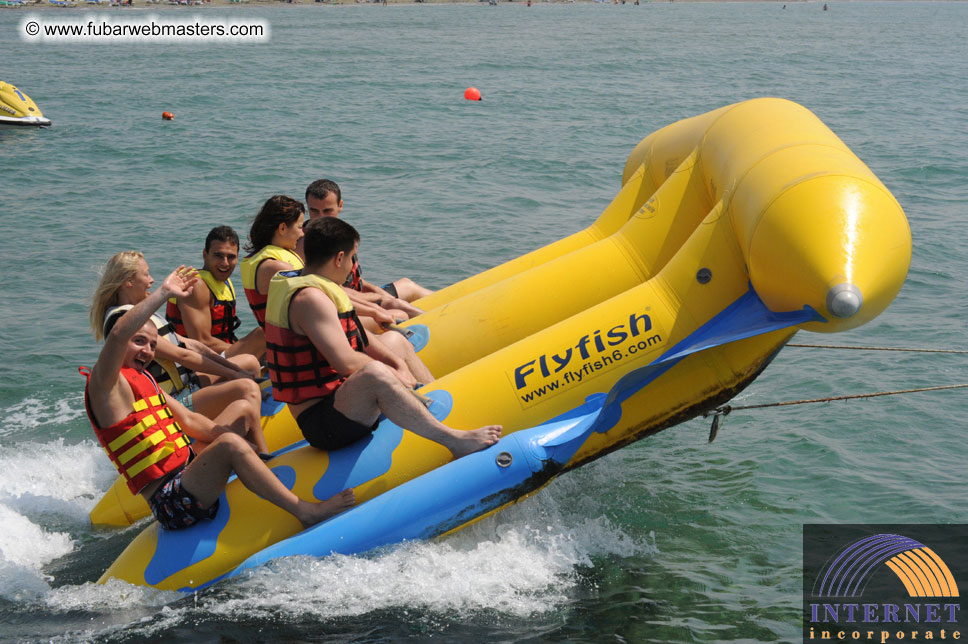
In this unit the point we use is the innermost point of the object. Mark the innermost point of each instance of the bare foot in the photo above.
(475, 440)
(313, 513)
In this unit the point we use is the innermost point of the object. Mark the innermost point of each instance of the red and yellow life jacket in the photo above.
(249, 268)
(355, 279)
(146, 444)
(299, 372)
(224, 319)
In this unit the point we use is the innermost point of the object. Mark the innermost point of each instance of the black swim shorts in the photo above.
(326, 428)
(391, 289)
(175, 508)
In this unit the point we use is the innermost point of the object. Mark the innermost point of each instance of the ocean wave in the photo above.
(525, 561)
(25, 548)
(54, 478)
(35, 412)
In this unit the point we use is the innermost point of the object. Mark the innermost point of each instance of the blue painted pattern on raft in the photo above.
(177, 549)
(371, 457)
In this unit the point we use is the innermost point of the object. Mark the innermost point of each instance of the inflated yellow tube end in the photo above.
(662, 151)
(119, 508)
(845, 254)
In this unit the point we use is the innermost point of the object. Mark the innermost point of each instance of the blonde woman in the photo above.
(185, 369)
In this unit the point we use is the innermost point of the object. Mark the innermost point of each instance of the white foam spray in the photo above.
(523, 561)
(46, 493)
(32, 413)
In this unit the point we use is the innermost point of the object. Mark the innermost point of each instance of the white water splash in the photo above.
(46, 491)
(25, 548)
(54, 478)
(115, 594)
(129, 613)
(34, 412)
(522, 562)
(528, 560)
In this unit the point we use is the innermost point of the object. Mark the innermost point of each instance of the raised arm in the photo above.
(105, 373)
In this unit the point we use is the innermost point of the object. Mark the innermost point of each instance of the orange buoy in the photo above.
(167, 116)
(473, 94)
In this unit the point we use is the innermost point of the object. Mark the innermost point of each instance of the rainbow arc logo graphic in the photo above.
(919, 568)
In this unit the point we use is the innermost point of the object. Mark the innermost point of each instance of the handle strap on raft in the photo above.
(424, 400)
(399, 329)
(265, 386)
(723, 411)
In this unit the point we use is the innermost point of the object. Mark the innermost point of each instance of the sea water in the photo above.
(669, 540)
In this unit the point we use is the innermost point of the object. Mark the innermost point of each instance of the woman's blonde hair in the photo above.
(119, 269)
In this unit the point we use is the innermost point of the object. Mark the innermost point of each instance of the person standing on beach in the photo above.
(318, 356)
(144, 433)
(209, 313)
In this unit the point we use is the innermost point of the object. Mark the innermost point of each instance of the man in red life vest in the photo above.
(209, 313)
(337, 383)
(142, 431)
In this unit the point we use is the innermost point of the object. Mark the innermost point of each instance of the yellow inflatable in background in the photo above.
(732, 231)
(19, 110)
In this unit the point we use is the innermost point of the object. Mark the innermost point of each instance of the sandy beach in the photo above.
(181, 4)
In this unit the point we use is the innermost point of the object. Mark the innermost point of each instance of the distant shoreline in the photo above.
(202, 4)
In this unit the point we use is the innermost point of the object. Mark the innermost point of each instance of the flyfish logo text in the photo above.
(592, 353)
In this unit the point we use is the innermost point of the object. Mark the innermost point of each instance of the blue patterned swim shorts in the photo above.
(175, 508)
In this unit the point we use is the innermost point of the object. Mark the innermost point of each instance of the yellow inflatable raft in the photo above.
(732, 230)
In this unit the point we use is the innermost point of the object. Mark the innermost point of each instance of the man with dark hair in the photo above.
(145, 434)
(319, 359)
(208, 314)
(324, 199)
(327, 198)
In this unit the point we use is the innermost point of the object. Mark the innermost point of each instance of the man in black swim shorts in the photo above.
(336, 382)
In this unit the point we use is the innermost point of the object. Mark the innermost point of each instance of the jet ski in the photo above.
(19, 110)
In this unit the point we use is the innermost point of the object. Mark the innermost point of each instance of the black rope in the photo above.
(721, 412)
(911, 349)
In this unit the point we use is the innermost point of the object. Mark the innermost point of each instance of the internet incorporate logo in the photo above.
(919, 568)
(909, 590)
